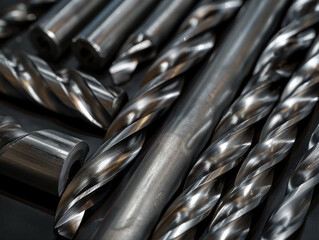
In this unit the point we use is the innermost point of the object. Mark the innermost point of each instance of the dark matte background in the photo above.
(27, 213)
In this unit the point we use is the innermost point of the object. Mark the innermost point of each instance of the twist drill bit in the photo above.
(42, 159)
(144, 43)
(291, 213)
(61, 91)
(160, 88)
(252, 184)
(16, 17)
(233, 136)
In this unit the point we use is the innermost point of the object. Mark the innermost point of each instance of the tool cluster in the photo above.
(203, 105)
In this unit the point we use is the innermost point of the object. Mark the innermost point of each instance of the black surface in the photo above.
(27, 213)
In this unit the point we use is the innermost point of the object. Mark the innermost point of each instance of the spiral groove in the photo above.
(162, 85)
(254, 179)
(234, 134)
(61, 91)
(291, 213)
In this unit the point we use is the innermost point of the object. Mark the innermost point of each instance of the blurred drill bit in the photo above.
(233, 215)
(14, 18)
(42, 159)
(234, 134)
(160, 88)
(144, 43)
(291, 213)
(67, 91)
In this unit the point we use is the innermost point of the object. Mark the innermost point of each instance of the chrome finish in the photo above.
(144, 43)
(160, 88)
(188, 126)
(98, 43)
(234, 134)
(254, 179)
(67, 91)
(42, 159)
(53, 33)
(291, 214)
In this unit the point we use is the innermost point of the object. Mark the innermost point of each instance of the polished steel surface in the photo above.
(52, 34)
(98, 43)
(66, 91)
(291, 213)
(232, 218)
(125, 138)
(42, 158)
(144, 43)
(18, 16)
(234, 134)
(187, 128)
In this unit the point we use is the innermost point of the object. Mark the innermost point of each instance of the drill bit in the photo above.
(61, 91)
(42, 159)
(234, 134)
(254, 179)
(144, 43)
(160, 88)
(16, 17)
(291, 213)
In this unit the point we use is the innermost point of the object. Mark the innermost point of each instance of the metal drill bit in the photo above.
(98, 43)
(161, 86)
(232, 217)
(42, 159)
(188, 126)
(144, 43)
(52, 34)
(291, 213)
(14, 18)
(61, 91)
(234, 134)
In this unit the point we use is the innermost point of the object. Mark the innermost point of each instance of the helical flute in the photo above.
(14, 18)
(291, 213)
(160, 88)
(66, 91)
(234, 134)
(254, 179)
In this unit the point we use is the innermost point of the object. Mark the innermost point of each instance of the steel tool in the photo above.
(53, 33)
(188, 126)
(144, 43)
(125, 138)
(42, 159)
(66, 91)
(254, 179)
(16, 17)
(98, 43)
(235, 132)
(290, 215)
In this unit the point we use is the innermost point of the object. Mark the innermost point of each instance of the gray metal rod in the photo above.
(97, 44)
(53, 33)
(188, 127)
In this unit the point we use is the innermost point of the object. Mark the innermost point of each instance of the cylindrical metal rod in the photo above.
(144, 43)
(98, 43)
(188, 127)
(53, 33)
(42, 159)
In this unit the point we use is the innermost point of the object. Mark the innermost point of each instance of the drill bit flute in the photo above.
(291, 213)
(252, 184)
(234, 134)
(161, 87)
(188, 126)
(67, 91)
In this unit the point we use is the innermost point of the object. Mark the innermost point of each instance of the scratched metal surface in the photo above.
(27, 213)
